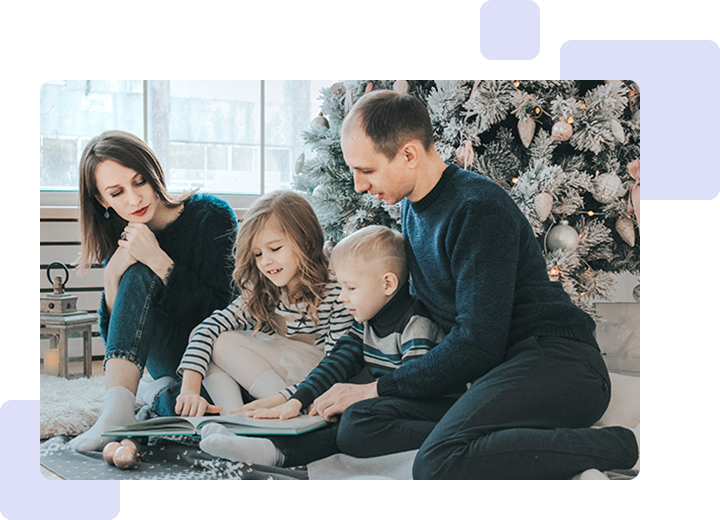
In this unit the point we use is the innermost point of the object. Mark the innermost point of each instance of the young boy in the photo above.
(391, 329)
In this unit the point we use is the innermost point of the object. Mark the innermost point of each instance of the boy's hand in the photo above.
(194, 405)
(286, 410)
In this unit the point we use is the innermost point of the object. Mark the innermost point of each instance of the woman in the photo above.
(168, 265)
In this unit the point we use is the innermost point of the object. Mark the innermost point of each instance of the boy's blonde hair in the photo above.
(373, 243)
(298, 222)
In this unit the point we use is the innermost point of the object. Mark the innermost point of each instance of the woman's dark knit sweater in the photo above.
(200, 242)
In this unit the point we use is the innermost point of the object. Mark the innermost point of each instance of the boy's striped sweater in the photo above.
(399, 333)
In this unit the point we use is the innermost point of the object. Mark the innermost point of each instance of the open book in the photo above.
(237, 423)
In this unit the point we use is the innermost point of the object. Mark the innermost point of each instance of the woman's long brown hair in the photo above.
(99, 235)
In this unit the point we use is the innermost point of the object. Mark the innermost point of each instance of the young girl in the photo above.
(287, 318)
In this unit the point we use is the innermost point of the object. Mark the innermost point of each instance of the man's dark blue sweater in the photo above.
(478, 268)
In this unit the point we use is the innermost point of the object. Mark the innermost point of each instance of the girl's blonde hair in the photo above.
(298, 222)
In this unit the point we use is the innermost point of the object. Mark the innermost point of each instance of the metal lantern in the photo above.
(59, 318)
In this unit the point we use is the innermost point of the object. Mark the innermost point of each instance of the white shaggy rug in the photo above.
(70, 406)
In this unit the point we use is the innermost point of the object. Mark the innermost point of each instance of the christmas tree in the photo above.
(560, 148)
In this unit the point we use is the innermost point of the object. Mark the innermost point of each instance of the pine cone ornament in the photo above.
(543, 205)
(465, 153)
(401, 86)
(617, 131)
(526, 129)
(625, 228)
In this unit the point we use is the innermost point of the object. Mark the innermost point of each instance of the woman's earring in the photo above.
(107, 214)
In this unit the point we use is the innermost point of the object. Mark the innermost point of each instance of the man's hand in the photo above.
(336, 400)
(262, 404)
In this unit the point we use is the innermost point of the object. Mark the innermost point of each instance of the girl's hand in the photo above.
(262, 404)
(138, 240)
(287, 410)
(194, 405)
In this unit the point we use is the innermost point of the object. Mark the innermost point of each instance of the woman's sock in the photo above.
(118, 409)
(219, 442)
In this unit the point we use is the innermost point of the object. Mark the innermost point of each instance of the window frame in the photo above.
(69, 198)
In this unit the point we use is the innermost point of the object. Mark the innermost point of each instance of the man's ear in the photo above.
(390, 283)
(411, 153)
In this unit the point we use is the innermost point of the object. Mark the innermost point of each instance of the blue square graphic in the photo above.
(679, 144)
(510, 30)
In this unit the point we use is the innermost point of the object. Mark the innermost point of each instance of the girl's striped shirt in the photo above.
(333, 322)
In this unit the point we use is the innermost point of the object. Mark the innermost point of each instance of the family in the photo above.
(473, 356)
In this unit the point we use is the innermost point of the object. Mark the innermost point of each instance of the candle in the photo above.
(52, 361)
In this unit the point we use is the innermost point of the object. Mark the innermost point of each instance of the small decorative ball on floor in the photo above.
(125, 457)
(124, 454)
(109, 450)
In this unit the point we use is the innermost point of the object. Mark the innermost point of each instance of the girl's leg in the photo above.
(257, 364)
(222, 389)
(250, 362)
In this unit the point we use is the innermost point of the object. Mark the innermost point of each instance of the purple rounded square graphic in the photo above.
(510, 30)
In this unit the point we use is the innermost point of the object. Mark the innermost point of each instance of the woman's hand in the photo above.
(286, 410)
(340, 396)
(114, 269)
(194, 405)
(139, 240)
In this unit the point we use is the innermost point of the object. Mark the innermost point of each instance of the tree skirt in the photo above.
(177, 458)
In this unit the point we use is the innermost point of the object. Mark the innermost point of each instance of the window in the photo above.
(238, 138)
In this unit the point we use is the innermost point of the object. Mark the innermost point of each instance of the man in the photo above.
(538, 381)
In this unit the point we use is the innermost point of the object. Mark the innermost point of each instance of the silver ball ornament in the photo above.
(562, 236)
(636, 293)
(321, 120)
(606, 187)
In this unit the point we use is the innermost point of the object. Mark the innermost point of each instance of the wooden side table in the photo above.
(59, 318)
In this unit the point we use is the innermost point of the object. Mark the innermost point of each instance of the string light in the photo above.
(537, 111)
(516, 83)
(515, 180)
(570, 120)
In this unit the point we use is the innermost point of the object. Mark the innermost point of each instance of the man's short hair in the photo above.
(373, 243)
(390, 119)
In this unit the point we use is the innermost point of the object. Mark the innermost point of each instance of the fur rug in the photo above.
(70, 406)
